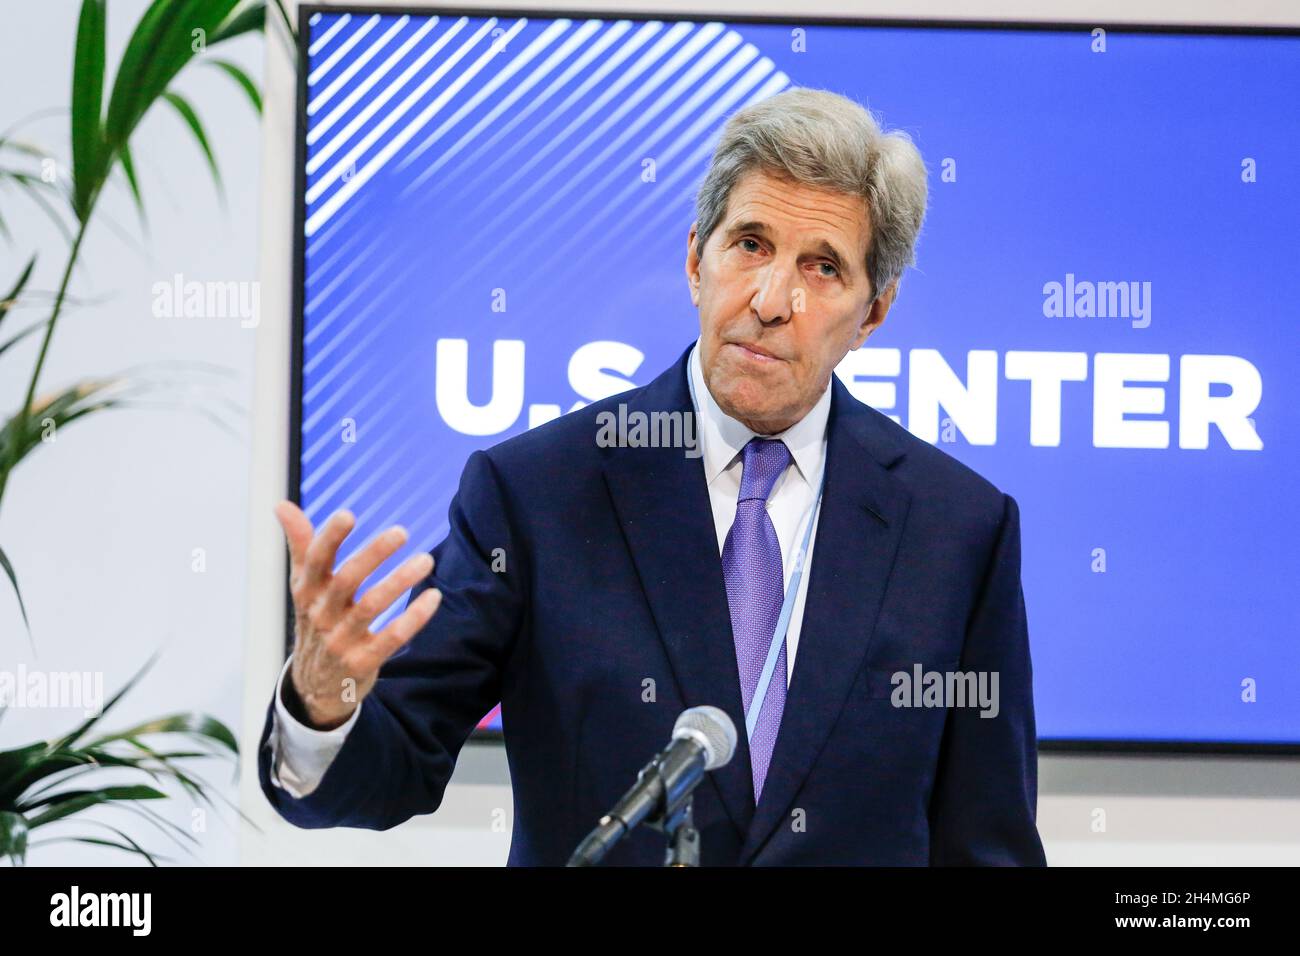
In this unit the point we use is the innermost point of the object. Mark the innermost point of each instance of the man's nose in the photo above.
(773, 300)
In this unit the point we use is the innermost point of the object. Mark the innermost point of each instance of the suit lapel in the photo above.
(662, 504)
(862, 515)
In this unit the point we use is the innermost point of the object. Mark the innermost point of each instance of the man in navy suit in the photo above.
(598, 581)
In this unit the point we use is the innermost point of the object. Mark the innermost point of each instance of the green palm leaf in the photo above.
(9, 343)
(243, 79)
(183, 107)
(133, 847)
(68, 740)
(74, 801)
(22, 433)
(13, 836)
(168, 36)
(128, 167)
(12, 575)
(88, 153)
(252, 19)
(191, 724)
(9, 300)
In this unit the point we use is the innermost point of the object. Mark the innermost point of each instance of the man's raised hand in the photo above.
(332, 640)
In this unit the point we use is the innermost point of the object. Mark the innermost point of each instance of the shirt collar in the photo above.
(722, 438)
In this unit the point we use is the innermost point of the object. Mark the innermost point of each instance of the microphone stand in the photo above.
(676, 821)
(683, 838)
(662, 797)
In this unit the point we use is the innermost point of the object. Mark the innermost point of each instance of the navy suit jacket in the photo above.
(611, 617)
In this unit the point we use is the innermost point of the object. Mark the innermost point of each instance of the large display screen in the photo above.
(492, 222)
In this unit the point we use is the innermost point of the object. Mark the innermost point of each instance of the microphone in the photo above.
(704, 738)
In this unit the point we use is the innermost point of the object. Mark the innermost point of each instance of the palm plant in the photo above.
(170, 36)
(34, 780)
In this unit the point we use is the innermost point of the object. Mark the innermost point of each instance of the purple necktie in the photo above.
(751, 564)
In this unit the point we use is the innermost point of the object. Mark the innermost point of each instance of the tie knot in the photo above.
(764, 461)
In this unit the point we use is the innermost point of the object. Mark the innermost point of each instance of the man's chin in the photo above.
(751, 414)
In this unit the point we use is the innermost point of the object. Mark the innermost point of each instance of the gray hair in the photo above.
(827, 141)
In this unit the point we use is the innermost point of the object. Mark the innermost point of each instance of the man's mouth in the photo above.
(757, 353)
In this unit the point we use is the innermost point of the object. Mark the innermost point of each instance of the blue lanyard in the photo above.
(783, 622)
(791, 590)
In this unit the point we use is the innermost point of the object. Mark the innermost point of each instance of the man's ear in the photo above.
(693, 266)
(876, 314)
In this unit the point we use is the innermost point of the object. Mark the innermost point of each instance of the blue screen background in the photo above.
(485, 180)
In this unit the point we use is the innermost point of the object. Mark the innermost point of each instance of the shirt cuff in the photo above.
(300, 755)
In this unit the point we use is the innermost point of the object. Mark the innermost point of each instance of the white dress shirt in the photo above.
(300, 755)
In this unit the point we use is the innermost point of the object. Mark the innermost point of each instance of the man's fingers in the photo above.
(360, 566)
(297, 532)
(404, 627)
(319, 560)
(374, 601)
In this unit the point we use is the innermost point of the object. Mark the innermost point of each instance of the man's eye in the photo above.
(753, 241)
(833, 271)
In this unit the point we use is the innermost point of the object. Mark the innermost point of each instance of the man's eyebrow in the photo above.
(831, 253)
(740, 228)
(760, 229)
